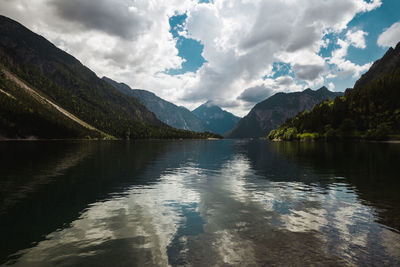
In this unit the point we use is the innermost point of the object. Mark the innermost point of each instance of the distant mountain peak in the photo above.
(167, 112)
(370, 110)
(273, 111)
(324, 89)
(210, 103)
(71, 87)
(218, 120)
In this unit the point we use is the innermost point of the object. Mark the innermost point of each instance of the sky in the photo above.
(235, 53)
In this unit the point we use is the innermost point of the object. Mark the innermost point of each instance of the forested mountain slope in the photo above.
(167, 112)
(273, 111)
(370, 110)
(63, 80)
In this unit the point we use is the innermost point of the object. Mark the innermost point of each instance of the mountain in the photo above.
(25, 113)
(178, 117)
(273, 111)
(370, 110)
(41, 83)
(217, 119)
(388, 63)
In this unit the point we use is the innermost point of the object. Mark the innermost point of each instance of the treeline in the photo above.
(371, 111)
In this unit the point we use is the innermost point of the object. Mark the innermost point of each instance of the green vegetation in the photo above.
(273, 111)
(22, 116)
(169, 113)
(62, 79)
(369, 111)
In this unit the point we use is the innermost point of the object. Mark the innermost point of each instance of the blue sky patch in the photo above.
(189, 49)
(374, 23)
(332, 45)
(281, 69)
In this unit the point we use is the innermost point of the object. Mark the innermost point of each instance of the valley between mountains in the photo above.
(45, 93)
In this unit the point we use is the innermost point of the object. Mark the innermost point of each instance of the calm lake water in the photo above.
(199, 203)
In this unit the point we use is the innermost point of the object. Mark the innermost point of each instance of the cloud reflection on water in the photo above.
(208, 211)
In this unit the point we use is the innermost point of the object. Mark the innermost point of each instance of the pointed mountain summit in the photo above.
(47, 93)
(167, 112)
(273, 111)
(218, 120)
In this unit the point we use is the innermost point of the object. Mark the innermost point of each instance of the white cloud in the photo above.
(285, 80)
(267, 88)
(242, 39)
(345, 67)
(255, 94)
(130, 41)
(357, 38)
(127, 41)
(390, 37)
(331, 86)
(115, 18)
(308, 72)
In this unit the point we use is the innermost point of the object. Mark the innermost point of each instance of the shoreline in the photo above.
(113, 140)
(394, 141)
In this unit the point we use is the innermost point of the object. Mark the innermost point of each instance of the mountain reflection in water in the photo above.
(228, 202)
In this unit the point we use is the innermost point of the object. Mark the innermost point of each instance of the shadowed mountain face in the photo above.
(167, 112)
(64, 80)
(389, 62)
(24, 113)
(217, 119)
(273, 111)
(47, 93)
(370, 110)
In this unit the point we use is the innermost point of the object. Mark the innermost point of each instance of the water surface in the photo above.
(199, 203)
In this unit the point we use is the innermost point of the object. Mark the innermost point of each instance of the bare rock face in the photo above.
(273, 111)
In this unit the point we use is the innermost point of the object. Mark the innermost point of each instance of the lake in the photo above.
(199, 203)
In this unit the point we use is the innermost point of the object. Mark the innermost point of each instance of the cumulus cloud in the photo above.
(285, 80)
(331, 86)
(116, 17)
(222, 103)
(267, 88)
(356, 38)
(130, 41)
(242, 39)
(255, 94)
(345, 67)
(390, 37)
(308, 72)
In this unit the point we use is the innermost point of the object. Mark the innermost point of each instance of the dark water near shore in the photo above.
(199, 203)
